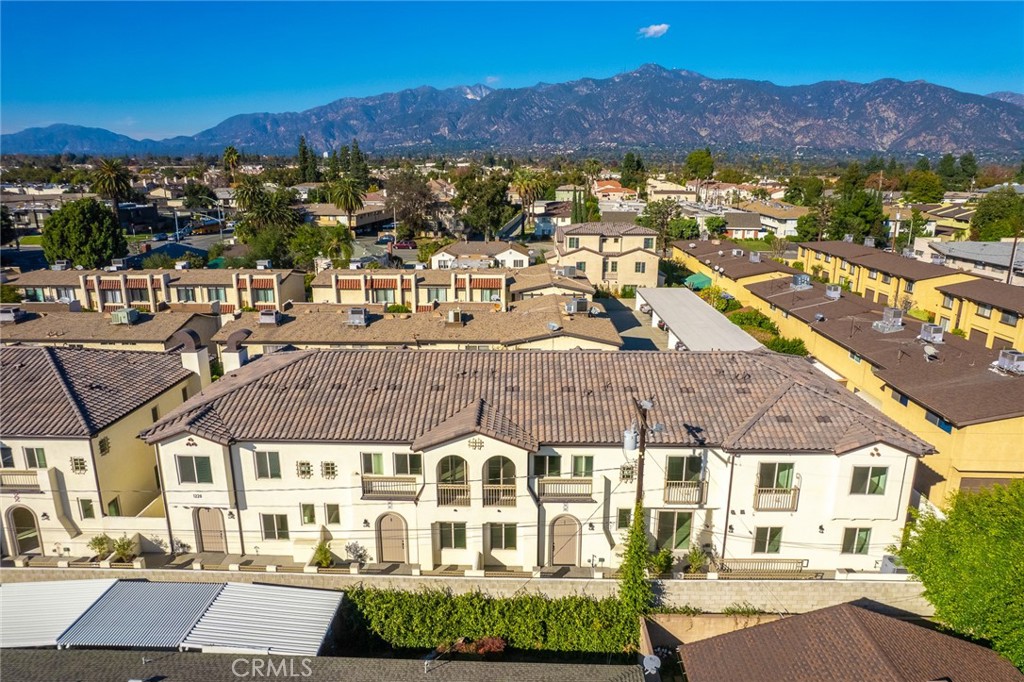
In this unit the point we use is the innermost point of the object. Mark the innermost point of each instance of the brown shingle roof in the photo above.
(558, 397)
(840, 643)
(775, 209)
(840, 248)
(806, 304)
(998, 294)
(78, 392)
(876, 259)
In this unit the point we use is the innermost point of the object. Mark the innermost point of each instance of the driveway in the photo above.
(634, 327)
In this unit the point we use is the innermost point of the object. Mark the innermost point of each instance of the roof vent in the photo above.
(721, 253)
(755, 256)
(931, 353)
(61, 265)
(693, 245)
(566, 271)
(181, 265)
(576, 305)
(455, 316)
(800, 281)
(892, 321)
(819, 317)
(269, 317)
(357, 317)
(1011, 361)
(833, 292)
(263, 265)
(931, 333)
(869, 242)
(848, 238)
(124, 316)
(554, 326)
(14, 314)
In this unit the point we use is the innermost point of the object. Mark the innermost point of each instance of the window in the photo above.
(817, 256)
(828, 258)
(453, 535)
(886, 278)
(186, 294)
(573, 243)
(683, 468)
(853, 270)
(7, 458)
(503, 536)
(66, 294)
(869, 480)
(640, 267)
(547, 465)
(938, 421)
(582, 466)
(581, 266)
(984, 311)
(1007, 317)
(947, 301)
(900, 398)
(623, 518)
(138, 296)
(408, 464)
(373, 463)
(767, 540)
(674, 530)
(304, 469)
(263, 295)
(34, 294)
(443, 264)
(872, 274)
(114, 507)
(328, 469)
(35, 458)
(308, 513)
(909, 287)
(217, 294)
(268, 465)
(78, 465)
(111, 296)
(275, 526)
(518, 263)
(154, 412)
(856, 540)
(488, 295)
(854, 357)
(439, 294)
(86, 510)
(382, 296)
(452, 471)
(842, 265)
(193, 469)
(332, 514)
(777, 475)
(648, 242)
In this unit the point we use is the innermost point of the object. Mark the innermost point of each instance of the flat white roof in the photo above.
(266, 619)
(38, 613)
(694, 322)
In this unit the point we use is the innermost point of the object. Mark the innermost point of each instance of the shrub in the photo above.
(744, 608)
(787, 346)
(124, 548)
(101, 545)
(322, 555)
(627, 291)
(696, 559)
(397, 308)
(959, 332)
(357, 552)
(754, 318)
(661, 562)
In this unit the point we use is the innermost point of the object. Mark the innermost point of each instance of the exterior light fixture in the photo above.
(366, 523)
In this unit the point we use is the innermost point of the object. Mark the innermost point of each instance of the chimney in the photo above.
(235, 355)
(194, 356)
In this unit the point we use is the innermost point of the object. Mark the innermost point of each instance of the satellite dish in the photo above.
(651, 664)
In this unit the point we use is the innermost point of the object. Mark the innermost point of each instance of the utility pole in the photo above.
(644, 428)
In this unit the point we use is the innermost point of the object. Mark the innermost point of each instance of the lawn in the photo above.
(37, 239)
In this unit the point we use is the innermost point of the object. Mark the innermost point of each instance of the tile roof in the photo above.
(558, 397)
(543, 276)
(840, 248)
(67, 327)
(478, 416)
(78, 392)
(843, 642)
(196, 276)
(47, 665)
(999, 294)
(605, 230)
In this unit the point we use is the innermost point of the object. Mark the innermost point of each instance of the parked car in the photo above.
(385, 239)
(160, 237)
(405, 244)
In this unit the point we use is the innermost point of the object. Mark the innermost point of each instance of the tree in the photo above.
(683, 228)
(656, 216)
(715, 225)
(483, 201)
(409, 199)
(809, 227)
(198, 195)
(8, 294)
(700, 165)
(968, 166)
(971, 564)
(230, 161)
(271, 213)
(161, 261)
(358, 168)
(804, 191)
(851, 180)
(947, 171)
(632, 173)
(307, 163)
(250, 192)
(311, 241)
(527, 185)
(924, 187)
(112, 180)
(999, 214)
(333, 171)
(914, 229)
(591, 169)
(85, 233)
(635, 590)
(923, 164)
(8, 233)
(347, 195)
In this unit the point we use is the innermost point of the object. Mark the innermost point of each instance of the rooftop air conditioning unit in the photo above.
(61, 265)
(13, 314)
(892, 321)
(938, 259)
(1011, 361)
(869, 242)
(269, 317)
(117, 264)
(833, 291)
(908, 252)
(566, 271)
(848, 238)
(755, 256)
(576, 305)
(801, 281)
(931, 333)
(181, 265)
(738, 253)
(357, 317)
(263, 265)
(124, 316)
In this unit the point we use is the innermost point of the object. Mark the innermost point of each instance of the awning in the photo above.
(697, 281)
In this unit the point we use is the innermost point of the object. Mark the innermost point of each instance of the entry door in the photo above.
(212, 537)
(26, 531)
(392, 539)
(565, 533)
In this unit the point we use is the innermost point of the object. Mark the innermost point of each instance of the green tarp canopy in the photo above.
(697, 281)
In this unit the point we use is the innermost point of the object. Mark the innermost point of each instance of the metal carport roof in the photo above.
(144, 615)
(37, 613)
(266, 619)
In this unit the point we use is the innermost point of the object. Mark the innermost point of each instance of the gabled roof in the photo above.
(843, 642)
(477, 417)
(488, 249)
(77, 392)
(605, 230)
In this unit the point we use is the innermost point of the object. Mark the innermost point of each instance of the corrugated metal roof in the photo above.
(36, 614)
(266, 619)
(142, 615)
(695, 323)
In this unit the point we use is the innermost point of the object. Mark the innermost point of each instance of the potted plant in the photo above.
(101, 546)
(124, 549)
(322, 555)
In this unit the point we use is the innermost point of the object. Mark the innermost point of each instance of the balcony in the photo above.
(776, 499)
(452, 494)
(20, 481)
(566, 489)
(499, 495)
(390, 487)
(686, 492)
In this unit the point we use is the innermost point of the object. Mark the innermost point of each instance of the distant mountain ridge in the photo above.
(650, 107)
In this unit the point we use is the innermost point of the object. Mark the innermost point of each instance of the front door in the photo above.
(565, 532)
(391, 539)
(26, 531)
(210, 531)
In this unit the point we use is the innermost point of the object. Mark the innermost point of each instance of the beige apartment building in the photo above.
(611, 255)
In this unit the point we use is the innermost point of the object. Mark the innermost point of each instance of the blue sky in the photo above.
(155, 69)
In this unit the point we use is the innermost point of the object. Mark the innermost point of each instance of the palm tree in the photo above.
(338, 245)
(250, 193)
(230, 159)
(268, 211)
(347, 195)
(527, 185)
(112, 180)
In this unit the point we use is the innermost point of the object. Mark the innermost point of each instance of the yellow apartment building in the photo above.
(728, 266)
(988, 312)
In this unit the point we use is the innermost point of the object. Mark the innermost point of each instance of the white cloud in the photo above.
(653, 31)
(492, 80)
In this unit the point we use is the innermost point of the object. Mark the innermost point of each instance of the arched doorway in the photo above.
(26, 531)
(210, 535)
(565, 541)
(391, 539)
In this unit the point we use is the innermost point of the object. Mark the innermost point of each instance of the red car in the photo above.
(405, 244)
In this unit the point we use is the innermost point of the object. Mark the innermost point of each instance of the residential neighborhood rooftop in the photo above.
(988, 292)
(989, 253)
(605, 230)
(83, 327)
(882, 261)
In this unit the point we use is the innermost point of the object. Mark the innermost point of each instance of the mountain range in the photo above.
(649, 108)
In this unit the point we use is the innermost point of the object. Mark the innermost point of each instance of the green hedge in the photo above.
(431, 618)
